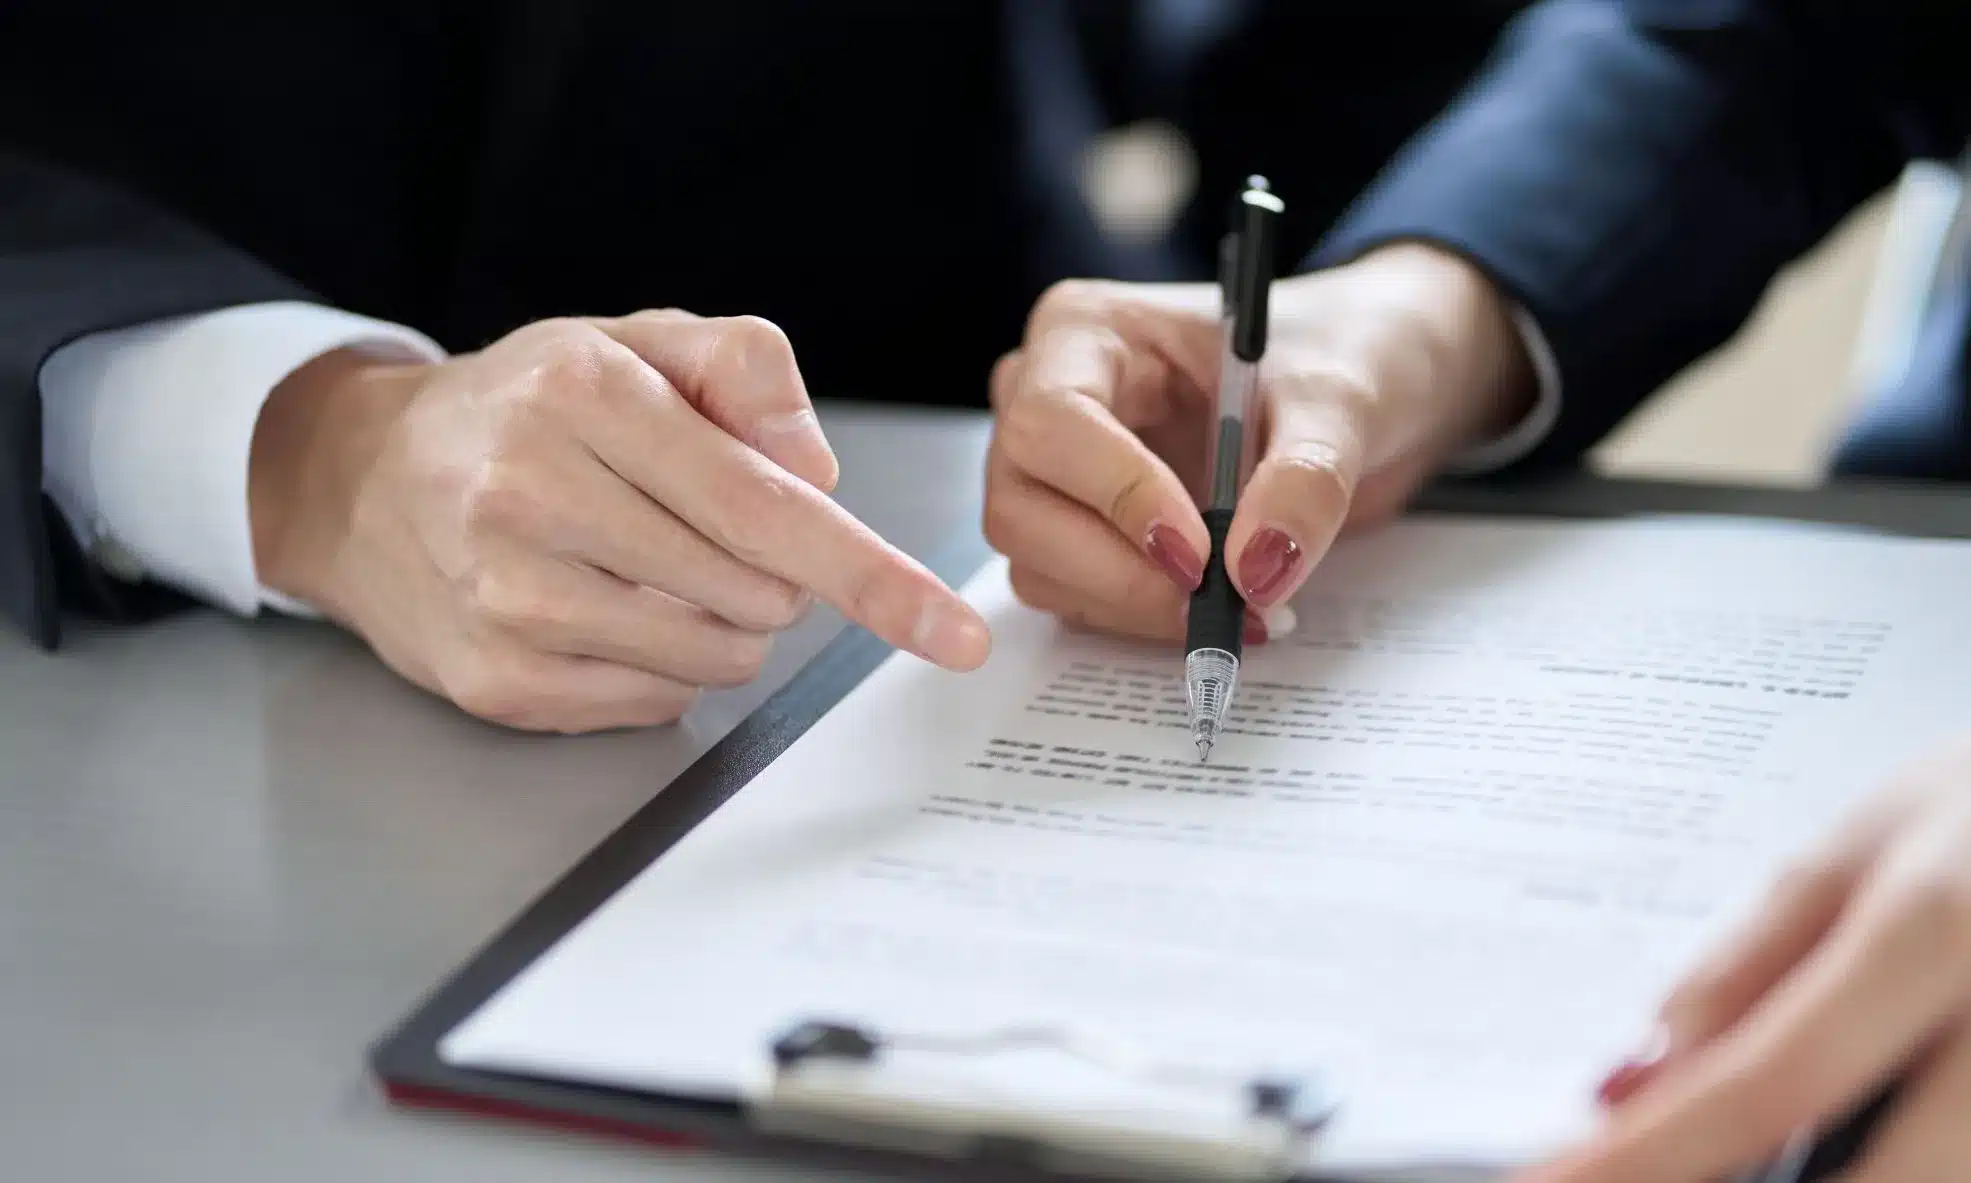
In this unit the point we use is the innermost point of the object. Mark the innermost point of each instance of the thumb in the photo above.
(740, 373)
(1297, 497)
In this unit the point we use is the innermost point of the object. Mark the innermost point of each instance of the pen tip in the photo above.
(1204, 750)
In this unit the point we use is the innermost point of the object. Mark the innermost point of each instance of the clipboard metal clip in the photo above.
(848, 1084)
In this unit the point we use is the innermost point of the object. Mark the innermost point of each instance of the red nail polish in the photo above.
(1626, 1081)
(1255, 630)
(1168, 550)
(1637, 1072)
(1267, 566)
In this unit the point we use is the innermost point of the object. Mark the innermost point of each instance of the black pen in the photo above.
(1215, 634)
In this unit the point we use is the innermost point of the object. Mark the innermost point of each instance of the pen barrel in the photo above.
(1218, 612)
(1230, 442)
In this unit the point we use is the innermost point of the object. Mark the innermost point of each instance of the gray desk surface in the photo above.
(232, 854)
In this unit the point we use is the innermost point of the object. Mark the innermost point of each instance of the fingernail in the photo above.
(1169, 550)
(1267, 566)
(1635, 1073)
(955, 639)
(795, 442)
(1255, 630)
(1626, 1081)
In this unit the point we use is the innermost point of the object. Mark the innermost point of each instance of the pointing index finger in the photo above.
(776, 522)
(780, 524)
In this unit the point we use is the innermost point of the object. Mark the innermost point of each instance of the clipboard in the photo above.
(810, 1119)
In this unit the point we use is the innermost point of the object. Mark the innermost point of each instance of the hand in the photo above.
(580, 526)
(1857, 966)
(1374, 372)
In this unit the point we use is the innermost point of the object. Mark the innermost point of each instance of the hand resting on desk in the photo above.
(581, 525)
(1376, 372)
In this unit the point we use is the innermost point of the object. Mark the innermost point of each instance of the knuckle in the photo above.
(1330, 381)
(749, 515)
(1105, 347)
(1023, 431)
(549, 332)
(1128, 499)
(481, 689)
(781, 606)
(1043, 418)
(500, 598)
(753, 338)
(748, 354)
(1073, 300)
(1317, 470)
(498, 497)
(669, 704)
(570, 354)
(660, 317)
(1001, 525)
(739, 660)
(1005, 380)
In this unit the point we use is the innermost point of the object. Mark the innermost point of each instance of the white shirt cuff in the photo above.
(1519, 441)
(147, 433)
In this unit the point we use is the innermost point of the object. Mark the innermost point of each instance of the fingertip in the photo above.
(1628, 1079)
(1296, 502)
(976, 649)
(1177, 556)
(1269, 567)
(1639, 1070)
(950, 633)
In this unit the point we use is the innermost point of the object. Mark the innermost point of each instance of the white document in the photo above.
(1467, 826)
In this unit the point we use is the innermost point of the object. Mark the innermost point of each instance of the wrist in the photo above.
(1463, 323)
(317, 437)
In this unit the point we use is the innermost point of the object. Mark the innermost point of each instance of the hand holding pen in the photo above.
(1374, 372)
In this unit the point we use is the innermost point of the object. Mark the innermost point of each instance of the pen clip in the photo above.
(1255, 232)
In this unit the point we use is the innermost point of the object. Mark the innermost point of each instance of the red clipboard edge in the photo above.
(419, 1097)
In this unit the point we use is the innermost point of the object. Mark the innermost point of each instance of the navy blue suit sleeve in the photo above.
(1636, 173)
(79, 256)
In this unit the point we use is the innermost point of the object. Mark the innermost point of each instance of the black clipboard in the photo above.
(406, 1061)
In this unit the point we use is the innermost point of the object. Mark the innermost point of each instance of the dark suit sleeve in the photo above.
(78, 256)
(1635, 174)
